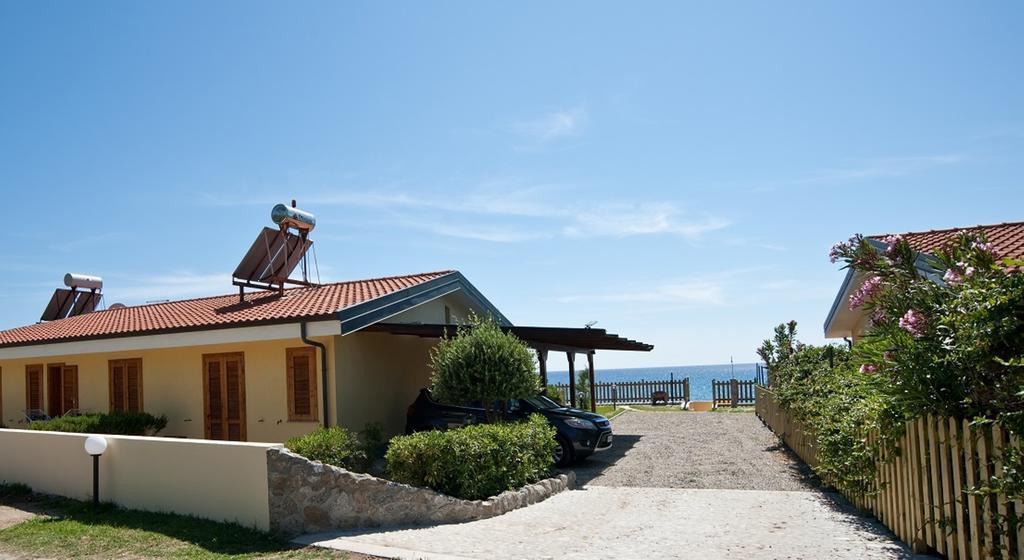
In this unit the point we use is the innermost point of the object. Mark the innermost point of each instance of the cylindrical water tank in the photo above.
(293, 217)
(72, 280)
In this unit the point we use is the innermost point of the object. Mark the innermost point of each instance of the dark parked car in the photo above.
(580, 433)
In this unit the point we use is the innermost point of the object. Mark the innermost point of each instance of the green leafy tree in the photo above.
(780, 347)
(583, 389)
(482, 364)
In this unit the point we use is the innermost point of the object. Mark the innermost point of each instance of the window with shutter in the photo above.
(34, 387)
(61, 388)
(224, 396)
(125, 385)
(302, 385)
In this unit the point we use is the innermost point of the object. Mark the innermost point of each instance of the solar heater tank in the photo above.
(290, 216)
(85, 281)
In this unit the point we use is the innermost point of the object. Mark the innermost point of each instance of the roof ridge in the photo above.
(202, 298)
(947, 230)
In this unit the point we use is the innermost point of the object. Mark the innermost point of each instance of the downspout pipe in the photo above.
(323, 367)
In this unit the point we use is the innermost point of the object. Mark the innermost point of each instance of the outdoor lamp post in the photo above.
(95, 446)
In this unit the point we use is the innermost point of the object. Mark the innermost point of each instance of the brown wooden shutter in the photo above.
(224, 396)
(69, 388)
(301, 384)
(34, 387)
(117, 387)
(133, 385)
(126, 385)
(235, 398)
(214, 402)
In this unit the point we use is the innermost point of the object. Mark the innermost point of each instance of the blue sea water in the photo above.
(700, 376)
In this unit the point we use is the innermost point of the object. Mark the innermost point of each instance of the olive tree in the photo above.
(481, 363)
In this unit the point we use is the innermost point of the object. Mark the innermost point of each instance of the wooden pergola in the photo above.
(572, 341)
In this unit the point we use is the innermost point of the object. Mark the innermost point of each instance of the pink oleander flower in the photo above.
(836, 252)
(865, 292)
(878, 316)
(868, 368)
(986, 248)
(959, 273)
(913, 322)
(892, 241)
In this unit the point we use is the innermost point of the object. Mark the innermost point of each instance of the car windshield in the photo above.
(542, 403)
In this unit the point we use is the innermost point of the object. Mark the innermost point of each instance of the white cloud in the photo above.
(883, 167)
(472, 215)
(496, 234)
(689, 292)
(622, 220)
(176, 285)
(554, 125)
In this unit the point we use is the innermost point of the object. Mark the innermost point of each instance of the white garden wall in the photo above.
(223, 481)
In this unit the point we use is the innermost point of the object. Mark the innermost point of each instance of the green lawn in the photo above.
(609, 411)
(69, 529)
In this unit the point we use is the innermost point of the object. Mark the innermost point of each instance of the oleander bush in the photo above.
(117, 423)
(475, 462)
(945, 336)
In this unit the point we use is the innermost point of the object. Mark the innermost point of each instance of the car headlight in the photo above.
(580, 423)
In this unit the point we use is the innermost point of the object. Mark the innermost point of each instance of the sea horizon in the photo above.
(700, 375)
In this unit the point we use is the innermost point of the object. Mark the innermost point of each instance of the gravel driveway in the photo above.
(710, 485)
(695, 450)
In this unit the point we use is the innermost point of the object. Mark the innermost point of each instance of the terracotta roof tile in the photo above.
(1007, 238)
(213, 312)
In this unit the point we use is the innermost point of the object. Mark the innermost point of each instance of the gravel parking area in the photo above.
(695, 450)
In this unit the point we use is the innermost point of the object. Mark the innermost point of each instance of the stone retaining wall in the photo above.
(310, 497)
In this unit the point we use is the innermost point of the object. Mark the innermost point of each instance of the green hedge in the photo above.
(333, 446)
(475, 462)
(121, 423)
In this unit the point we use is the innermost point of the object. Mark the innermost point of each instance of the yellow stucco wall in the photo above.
(172, 383)
(379, 375)
(224, 481)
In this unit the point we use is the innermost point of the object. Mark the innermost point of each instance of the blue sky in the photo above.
(675, 172)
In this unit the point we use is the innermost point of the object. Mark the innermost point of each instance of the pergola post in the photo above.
(593, 390)
(542, 363)
(571, 356)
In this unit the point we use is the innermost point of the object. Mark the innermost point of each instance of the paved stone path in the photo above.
(10, 516)
(640, 502)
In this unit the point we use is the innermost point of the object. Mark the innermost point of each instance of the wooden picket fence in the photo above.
(733, 392)
(635, 392)
(920, 490)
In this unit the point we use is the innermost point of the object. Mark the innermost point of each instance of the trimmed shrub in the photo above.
(483, 365)
(475, 462)
(333, 446)
(118, 423)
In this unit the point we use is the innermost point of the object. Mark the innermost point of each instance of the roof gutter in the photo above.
(323, 367)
